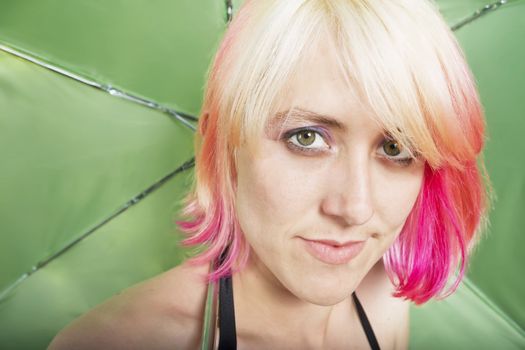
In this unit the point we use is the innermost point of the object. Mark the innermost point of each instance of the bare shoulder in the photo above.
(389, 316)
(163, 312)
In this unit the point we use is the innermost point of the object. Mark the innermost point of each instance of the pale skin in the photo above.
(345, 188)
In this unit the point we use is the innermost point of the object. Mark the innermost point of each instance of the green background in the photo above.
(79, 218)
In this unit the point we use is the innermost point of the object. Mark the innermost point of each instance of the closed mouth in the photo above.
(333, 252)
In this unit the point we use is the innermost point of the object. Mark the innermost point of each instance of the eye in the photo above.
(392, 150)
(306, 139)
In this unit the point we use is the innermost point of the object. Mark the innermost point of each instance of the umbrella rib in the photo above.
(493, 306)
(229, 10)
(479, 13)
(187, 165)
(184, 118)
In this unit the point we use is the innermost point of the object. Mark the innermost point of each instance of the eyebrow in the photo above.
(301, 114)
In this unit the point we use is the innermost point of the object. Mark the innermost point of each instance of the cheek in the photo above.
(273, 191)
(396, 195)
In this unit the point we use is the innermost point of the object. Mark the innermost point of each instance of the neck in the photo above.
(264, 308)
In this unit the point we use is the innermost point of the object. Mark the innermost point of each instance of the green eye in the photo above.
(306, 137)
(391, 148)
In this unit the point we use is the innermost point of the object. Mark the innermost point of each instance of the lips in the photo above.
(333, 252)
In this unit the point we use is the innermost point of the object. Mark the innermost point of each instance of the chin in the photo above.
(325, 297)
(324, 291)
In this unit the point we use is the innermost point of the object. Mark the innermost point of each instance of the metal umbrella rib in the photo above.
(133, 201)
(184, 118)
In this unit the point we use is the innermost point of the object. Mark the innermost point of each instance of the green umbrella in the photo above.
(97, 100)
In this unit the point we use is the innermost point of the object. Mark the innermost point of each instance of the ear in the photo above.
(203, 122)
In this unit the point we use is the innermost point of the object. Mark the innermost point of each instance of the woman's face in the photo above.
(327, 193)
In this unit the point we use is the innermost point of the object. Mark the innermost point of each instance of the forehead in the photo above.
(319, 85)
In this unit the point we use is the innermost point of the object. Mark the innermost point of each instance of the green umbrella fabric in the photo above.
(96, 127)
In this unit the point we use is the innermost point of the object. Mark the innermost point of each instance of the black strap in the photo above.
(227, 332)
(366, 324)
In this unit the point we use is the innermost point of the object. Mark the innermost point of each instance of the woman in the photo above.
(337, 180)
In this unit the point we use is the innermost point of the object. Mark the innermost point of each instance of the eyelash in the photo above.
(287, 136)
(401, 161)
(312, 151)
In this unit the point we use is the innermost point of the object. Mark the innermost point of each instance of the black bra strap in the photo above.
(227, 333)
(365, 323)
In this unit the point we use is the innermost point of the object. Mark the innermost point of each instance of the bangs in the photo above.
(271, 41)
(398, 58)
(407, 67)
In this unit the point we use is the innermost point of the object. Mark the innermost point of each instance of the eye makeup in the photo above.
(321, 126)
(325, 136)
(318, 131)
(322, 131)
(404, 161)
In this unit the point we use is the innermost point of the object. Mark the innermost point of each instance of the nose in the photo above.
(349, 198)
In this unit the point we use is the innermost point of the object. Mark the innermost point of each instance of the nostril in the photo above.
(347, 212)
